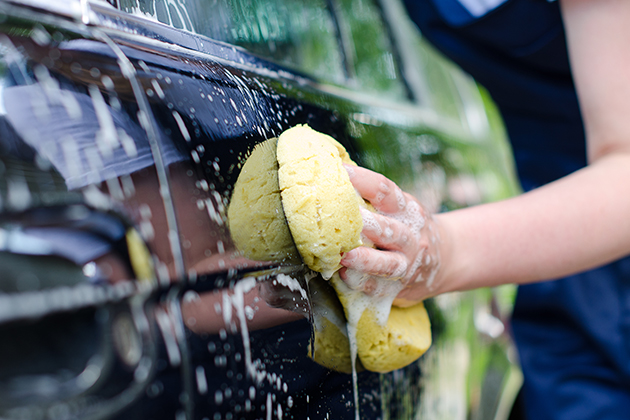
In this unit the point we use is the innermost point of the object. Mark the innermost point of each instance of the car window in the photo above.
(300, 35)
(369, 48)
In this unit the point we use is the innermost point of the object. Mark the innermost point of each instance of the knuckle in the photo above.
(398, 268)
(370, 286)
(355, 279)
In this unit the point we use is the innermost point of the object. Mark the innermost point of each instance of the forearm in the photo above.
(582, 220)
(575, 223)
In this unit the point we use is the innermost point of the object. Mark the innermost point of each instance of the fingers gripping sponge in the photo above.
(300, 181)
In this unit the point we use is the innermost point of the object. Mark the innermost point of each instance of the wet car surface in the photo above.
(123, 128)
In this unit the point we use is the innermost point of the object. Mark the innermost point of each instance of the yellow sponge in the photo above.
(387, 337)
(319, 201)
(294, 192)
(255, 216)
(330, 346)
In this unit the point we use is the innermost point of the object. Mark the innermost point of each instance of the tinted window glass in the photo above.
(300, 35)
(369, 48)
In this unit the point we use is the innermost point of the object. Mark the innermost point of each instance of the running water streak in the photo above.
(352, 338)
(238, 302)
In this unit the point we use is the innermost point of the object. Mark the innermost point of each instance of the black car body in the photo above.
(123, 128)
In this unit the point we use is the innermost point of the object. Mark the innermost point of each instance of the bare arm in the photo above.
(575, 223)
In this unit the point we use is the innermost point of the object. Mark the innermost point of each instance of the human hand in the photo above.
(406, 240)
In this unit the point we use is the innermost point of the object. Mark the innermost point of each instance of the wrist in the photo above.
(448, 274)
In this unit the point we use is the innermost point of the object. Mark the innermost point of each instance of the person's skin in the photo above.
(578, 222)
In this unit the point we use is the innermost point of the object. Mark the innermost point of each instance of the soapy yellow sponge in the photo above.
(330, 347)
(385, 343)
(294, 192)
(405, 337)
(319, 201)
(255, 215)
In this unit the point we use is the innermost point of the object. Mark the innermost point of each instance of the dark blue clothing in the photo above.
(573, 334)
